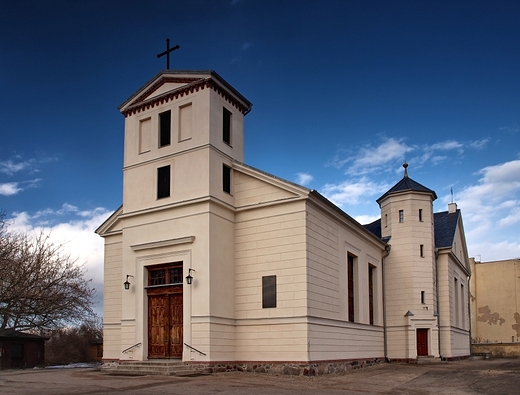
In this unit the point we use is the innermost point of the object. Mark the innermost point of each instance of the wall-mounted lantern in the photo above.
(189, 277)
(127, 283)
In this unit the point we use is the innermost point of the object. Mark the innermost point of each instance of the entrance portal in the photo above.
(165, 311)
(422, 342)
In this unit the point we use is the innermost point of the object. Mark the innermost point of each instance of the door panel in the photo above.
(176, 326)
(158, 325)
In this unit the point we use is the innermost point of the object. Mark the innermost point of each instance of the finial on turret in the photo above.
(405, 165)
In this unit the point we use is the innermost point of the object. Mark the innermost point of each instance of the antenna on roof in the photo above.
(451, 191)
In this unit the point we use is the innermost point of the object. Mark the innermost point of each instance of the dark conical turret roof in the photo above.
(407, 184)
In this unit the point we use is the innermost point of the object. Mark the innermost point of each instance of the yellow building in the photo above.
(211, 261)
(495, 307)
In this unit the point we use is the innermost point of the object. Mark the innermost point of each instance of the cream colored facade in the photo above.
(245, 234)
(495, 302)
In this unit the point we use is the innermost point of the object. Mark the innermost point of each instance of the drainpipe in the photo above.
(386, 253)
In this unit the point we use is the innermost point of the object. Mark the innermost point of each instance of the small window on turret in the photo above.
(420, 214)
(421, 247)
(226, 126)
(401, 215)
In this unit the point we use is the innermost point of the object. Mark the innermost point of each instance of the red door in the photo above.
(422, 342)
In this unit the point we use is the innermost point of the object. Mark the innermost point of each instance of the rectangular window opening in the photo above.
(456, 302)
(462, 306)
(226, 126)
(170, 273)
(421, 247)
(226, 178)
(371, 294)
(401, 215)
(423, 300)
(268, 292)
(420, 215)
(163, 182)
(350, 286)
(165, 120)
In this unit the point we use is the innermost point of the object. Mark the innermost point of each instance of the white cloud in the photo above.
(512, 218)
(9, 188)
(369, 158)
(303, 178)
(353, 192)
(446, 146)
(491, 210)
(366, 219)
(9, 167)
(383, 157)
(76, 234)
(479, 144)
(510, 129)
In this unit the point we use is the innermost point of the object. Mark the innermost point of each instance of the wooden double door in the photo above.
(165, 311)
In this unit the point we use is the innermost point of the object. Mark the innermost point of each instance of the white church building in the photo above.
(212, 262)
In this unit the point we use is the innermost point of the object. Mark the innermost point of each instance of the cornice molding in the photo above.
(163, 243)
(193, 85)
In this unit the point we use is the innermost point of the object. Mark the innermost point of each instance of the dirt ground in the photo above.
(496, 376)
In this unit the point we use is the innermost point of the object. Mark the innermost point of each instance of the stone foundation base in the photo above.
(318, 368)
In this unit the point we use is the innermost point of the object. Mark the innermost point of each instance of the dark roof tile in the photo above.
(445, 226)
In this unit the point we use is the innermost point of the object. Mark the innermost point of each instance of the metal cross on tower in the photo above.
(167, 53)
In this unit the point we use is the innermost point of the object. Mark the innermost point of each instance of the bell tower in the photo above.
(183, 129)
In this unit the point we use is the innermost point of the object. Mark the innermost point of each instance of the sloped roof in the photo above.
(407, 184)
(190, 81)
(14, 334)
(445, 227)
(375, 229)
(445, 224)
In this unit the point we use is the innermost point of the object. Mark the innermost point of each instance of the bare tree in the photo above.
(74, 344)
(41, 287)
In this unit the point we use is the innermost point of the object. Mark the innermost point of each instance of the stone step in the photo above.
(429, 360)
(145, 368)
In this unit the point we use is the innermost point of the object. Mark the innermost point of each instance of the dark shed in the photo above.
(20, 350)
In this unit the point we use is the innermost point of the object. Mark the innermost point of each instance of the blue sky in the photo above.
(343, 93)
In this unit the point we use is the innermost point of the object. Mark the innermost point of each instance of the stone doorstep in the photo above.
(428, 360)
(144, 368)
